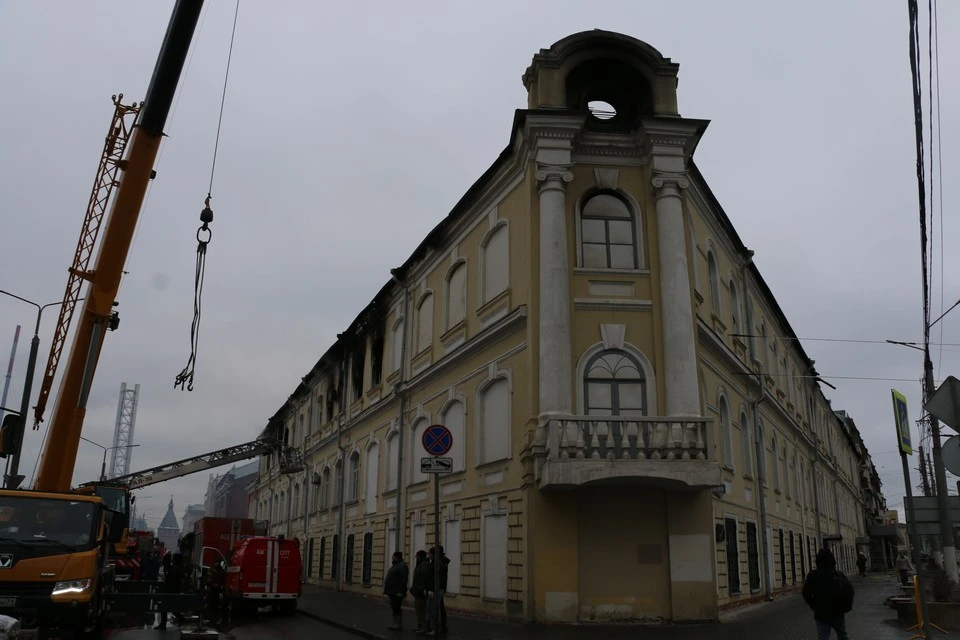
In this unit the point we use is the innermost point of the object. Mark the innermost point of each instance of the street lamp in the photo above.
(11, 478)
(103, 466)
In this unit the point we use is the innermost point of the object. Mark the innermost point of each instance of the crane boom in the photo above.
(59, 454)
(185, 467)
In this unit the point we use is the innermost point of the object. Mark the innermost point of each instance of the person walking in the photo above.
(862, 564)
(435, 591)
(395, 588)
(173, 578)
(830, 595)
(422, 576)
(904, 567)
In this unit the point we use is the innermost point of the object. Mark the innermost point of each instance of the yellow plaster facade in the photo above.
(590, 327)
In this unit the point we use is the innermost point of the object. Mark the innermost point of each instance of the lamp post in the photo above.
(103, 465)
(12, 479)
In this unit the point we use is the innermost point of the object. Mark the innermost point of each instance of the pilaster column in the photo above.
(681, 386)
(555, 342)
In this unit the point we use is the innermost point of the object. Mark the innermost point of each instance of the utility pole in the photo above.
(940, 474)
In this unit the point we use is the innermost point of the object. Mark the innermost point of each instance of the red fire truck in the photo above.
(214, 539)
(265, 570)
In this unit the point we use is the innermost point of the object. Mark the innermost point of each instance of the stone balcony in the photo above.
(675, 453)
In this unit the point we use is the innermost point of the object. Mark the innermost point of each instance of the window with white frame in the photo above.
(725, 432)
(714, 277)
(415, 474)
(354, 491)
(370, 481)
(495, 431)
(393, 459)
(746, 444)
(396, 346)
(614, 384)
(456, 295)
(454, 418)
(608, 233)
(495, 263)
(425, 322)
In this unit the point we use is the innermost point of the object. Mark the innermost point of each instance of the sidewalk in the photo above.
(785, 619)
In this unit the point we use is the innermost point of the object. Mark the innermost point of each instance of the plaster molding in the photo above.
(553, 176)
(613, 335)
(663, 179)
(606, 178)
(612, 304)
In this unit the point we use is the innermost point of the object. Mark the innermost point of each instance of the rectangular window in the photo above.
(793, 560)
(783, 561)
(348, 564)
(335, 559)
(494, 557)
(366, 573)
(733, 557)
(451, 547)
(753, 557)
(322, 560)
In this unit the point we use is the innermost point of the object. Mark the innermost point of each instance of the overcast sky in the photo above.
(342, 118)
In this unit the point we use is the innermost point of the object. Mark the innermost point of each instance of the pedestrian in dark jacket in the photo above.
(437, 591)
(830, 595)
(173, 578)
(395, 588)
(422, 575)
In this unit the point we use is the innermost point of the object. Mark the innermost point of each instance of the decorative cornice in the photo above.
(612, 304)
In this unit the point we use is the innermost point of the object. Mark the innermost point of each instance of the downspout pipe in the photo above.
(342, 525)
(401, 393)
(761, 471)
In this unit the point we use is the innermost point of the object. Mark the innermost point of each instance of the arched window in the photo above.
(393, 460)
(495, 431)
(456, 295)
(454, 418)
(494, 263)
(734, 308)
(396, 345)
(354, 491)
(762, 470)
(370, 481)
(725, 430)
(338, 483)
(714, 277)
(283, 505)
(415, 474)
(425, 322)
(746, 444)
(774, 465)
(608, 233)
(614, 384)
(325, 488)
(296, 501)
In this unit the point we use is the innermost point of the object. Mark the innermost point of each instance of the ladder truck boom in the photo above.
(185, 467)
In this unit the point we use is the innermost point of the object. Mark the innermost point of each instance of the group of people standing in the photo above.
(427, 592)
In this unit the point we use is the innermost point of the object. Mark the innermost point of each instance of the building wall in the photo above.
(466, 315)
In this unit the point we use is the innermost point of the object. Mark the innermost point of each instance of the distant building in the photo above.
(227, 495)
(193, 513)
(169, 531)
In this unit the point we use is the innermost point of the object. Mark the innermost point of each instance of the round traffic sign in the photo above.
(437, 440)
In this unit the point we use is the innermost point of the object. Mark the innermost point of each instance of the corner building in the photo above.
(581, 321)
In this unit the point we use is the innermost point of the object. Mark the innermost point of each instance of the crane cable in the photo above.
(184, 379)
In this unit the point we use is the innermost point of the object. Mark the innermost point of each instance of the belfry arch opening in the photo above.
(616, 94)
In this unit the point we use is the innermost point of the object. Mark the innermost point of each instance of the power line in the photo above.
(852, 340)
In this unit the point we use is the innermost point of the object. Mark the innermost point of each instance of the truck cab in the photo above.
(265, 570)
(53, 558)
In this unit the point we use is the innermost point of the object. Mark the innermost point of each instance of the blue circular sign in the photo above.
(437, 440)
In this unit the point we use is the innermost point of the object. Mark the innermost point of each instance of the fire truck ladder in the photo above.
(187, 466)
(107, 178)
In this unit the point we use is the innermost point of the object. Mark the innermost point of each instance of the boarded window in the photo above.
(415, 474)
(451, 547)
(322, 560)
(494, 557)
(495, 429)
(396, 346)
(454, 418)
(783, 561)
(425, 322)
(793, 560)
(335, 559)
(393, 460)
(496, 263)
(310, 550)
(456, 295)
(370, 482)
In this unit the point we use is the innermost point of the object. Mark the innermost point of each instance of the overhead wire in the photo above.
(936, 57)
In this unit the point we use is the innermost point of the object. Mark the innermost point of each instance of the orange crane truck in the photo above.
(54, 541)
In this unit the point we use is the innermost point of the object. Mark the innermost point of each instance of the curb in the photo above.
(369, 635)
